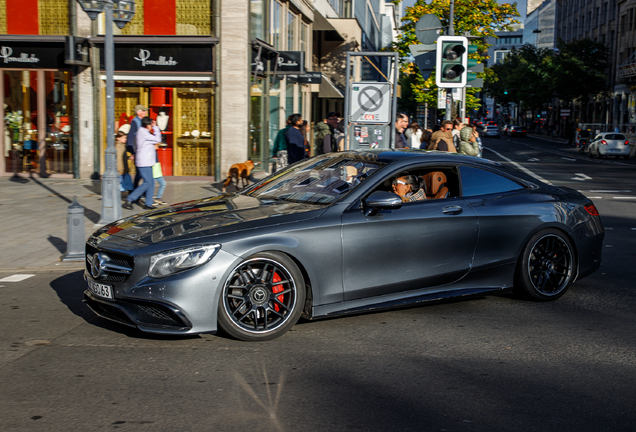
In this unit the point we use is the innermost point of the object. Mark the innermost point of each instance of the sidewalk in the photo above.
(33, 217)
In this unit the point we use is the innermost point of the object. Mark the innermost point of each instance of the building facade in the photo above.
(223, 76)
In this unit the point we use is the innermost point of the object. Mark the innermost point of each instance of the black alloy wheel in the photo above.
(547, 266)
(262, 298)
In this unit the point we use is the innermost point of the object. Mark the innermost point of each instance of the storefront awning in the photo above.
(322, 24)
(329, 90)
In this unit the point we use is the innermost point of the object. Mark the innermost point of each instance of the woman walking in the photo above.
(414, 135)
(145, 157)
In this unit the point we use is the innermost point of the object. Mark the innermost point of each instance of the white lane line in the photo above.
(609, 228)
(611, 191)
(16, 278)
(568, 159)
(522, 168)
(593, 197)
(633, 229)
(533, 160)
(627, 197)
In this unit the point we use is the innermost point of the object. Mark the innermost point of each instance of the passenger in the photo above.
(409, 188)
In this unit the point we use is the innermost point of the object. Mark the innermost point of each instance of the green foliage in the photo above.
(534, 76)
(478, 17)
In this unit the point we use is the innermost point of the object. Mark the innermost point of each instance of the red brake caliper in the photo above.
(277, 289)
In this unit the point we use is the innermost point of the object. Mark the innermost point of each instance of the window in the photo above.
(276, 25)
(257, 22)
(476, 181)
(291, 31)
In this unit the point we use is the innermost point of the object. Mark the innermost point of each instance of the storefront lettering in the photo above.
(290, 62)
(5, 54)
(144, 55)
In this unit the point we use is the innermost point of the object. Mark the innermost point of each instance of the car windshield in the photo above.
(315, 181)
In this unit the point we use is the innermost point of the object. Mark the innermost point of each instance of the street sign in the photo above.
(370, 102)
(428, 28)
(426, 64)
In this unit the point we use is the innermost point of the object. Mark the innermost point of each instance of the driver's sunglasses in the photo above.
(448, 128)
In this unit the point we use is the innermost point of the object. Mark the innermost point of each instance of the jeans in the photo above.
(162, 186)
(147, 187)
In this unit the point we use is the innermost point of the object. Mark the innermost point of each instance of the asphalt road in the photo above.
(488, 364)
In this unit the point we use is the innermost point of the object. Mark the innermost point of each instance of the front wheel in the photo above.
(547, 266)
(262, 298)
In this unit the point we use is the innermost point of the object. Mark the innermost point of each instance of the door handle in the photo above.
(452, 210)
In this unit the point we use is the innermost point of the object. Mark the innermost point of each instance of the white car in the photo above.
(491, 131)
(609, 144)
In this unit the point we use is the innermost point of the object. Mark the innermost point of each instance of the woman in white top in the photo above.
(414, 134)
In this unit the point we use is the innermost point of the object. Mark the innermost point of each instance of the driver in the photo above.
(409, 188)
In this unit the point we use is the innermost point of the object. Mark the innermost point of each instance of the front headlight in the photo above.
(167, 263)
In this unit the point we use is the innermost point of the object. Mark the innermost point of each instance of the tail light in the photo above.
(591, 209)
(626, 142)
(603, 142)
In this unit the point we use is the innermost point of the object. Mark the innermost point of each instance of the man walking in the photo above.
(401, 123)
(135, 124)
(295, 140)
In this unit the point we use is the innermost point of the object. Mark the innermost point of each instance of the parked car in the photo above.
(610, 144)
(329, 237)
(513, 130)
(492, 132)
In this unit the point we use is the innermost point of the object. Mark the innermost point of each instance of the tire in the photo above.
(547, 266)
(252, 308)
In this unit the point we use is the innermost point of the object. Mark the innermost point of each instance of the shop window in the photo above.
(291, 31)
(275, 123)
(289, 99)
(256, 120)
(38, 124)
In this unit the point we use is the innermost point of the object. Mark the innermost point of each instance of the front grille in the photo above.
(155, 312)
(116, 258)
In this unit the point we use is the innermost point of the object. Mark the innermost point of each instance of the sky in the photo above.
(521, 6)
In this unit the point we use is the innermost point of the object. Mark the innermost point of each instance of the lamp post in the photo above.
(121, 12)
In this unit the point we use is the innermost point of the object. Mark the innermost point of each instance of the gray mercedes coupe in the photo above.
(337, 234)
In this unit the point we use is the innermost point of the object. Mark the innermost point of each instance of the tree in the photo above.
(579, 70)
(476, 17)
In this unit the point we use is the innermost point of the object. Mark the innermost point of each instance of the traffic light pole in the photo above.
(449, 92)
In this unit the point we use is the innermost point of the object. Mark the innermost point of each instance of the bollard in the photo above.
(76, 240)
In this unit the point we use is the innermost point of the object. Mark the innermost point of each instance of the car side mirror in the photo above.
(381, 200)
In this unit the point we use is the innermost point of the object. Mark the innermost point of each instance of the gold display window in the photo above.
(194, 152)
(188, 139)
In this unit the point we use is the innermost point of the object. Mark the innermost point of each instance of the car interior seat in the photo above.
(436, 185)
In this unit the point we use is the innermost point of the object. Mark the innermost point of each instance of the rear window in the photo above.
(615, 136)
(477, 181)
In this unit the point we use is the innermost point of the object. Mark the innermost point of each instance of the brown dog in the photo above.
(238, 171)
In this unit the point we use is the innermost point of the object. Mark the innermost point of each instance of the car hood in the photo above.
(206, 217)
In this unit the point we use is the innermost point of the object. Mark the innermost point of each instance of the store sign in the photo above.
(290, 62)
(27, 56)
(162, 58)
(306, 78)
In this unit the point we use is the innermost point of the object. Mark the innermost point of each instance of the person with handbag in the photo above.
(157, 174)
(145, 157)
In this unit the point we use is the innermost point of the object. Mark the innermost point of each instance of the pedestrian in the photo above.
(135, 124)
(157, 174)
(457, 127)
(279, 152)
(414, 135)
(442, 140)
(401, 123)
(468, 143)
(426, 138)
(324, 141)
(303, 130)
(339, 136)
(295, 140)
(125, 182)
(145, 157)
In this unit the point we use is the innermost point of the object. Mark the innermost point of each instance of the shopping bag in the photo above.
(156, 170)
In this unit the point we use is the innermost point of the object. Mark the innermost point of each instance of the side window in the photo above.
(477, 181)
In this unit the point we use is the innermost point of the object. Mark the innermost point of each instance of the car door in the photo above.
(422, 244)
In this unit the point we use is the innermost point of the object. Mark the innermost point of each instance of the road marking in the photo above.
(595, 197)
(610, 191)
(533, 160)
(568, 159)
(16, 278)
(633, 229)
(609, 245)
(609, 228)
(522, 168)
(627, 197)
(581, 176)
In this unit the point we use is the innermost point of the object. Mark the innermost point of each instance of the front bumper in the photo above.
(183, 303)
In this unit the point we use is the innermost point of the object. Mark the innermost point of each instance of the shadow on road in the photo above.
(70, 288)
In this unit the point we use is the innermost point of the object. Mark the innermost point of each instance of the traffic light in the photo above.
(452, 61)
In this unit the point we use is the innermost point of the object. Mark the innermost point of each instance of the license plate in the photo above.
(101, 290)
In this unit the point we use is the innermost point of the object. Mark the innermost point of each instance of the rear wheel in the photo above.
(262, 298)
(547, 266)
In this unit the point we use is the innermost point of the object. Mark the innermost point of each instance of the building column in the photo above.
(233, 83)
